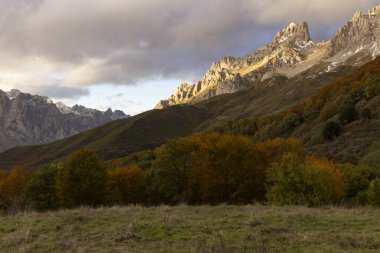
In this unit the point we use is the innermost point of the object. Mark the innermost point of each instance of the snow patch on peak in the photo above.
(375, 50)
(63, 108)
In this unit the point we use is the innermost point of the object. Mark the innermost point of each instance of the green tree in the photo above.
(358, 179)
(312, 182)
(347, 114)
(83, 181)
(41, 191)
(331, 130)
(374, 192)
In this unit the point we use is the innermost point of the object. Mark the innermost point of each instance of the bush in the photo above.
(358, 179)
(347, 114)
(331, 130)
(41, 192)
(373, 193)
(313, 182)
(290, 121)
(366, 114)
(82, 181)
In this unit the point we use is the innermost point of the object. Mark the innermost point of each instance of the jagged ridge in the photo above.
(27, 119)
(291, 52)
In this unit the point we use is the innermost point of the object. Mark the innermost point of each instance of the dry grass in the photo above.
(193, 229)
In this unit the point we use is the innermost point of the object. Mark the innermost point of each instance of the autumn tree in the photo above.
(128, 184)
(208, 168)
(168, 181)
(83, 180)
(11, 188)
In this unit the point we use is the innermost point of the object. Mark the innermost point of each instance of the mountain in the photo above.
(298, 104)
(291, 52)
(27, 119)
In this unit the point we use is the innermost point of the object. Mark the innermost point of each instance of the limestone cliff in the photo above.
(290, 53)
(27, 119)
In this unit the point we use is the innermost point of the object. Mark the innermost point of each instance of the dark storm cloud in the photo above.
(128, 41)
(59, 92)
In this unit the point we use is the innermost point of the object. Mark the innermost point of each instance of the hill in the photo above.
(118, 138)
(193, 229)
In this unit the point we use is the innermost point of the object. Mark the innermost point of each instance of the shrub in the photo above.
(331, 130)
(41, 192)
(347, 114)
(358, 179)
(366, 114)
(290, 121)
(373, 193)
(82, 181)
(312, 182)
(311, 111)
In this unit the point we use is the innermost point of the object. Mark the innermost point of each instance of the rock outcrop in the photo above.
(289, 47)
(291, 52)
(27, 119)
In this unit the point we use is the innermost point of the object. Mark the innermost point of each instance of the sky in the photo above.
(129, 54)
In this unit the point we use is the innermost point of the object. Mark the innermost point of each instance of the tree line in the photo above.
(207, 168)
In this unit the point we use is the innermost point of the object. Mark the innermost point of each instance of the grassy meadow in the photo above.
(251, 228)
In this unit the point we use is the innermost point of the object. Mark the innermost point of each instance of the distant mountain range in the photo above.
(27, 119)
(290, 53)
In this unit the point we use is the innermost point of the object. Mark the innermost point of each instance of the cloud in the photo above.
(126, 42)
(59, 92)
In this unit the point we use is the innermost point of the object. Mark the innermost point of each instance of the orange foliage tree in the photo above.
(128, 183)
(11, 188)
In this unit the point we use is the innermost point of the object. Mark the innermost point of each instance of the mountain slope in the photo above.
(114, 139)
(27, 119)
(150, 129)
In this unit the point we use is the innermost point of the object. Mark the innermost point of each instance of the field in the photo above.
(193, 229)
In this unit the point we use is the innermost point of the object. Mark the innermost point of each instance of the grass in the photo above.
(193, 229)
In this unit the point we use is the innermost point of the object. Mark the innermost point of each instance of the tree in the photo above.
(41, 191)
(331, 130)
(312, 182)
(208, 168)
(128, 183)
(347, 114)
(82, 181)
(12, 187)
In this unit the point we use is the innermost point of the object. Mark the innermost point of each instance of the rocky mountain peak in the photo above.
(293, 32)
(375, 10)
(27, 119)
(290, 53)
(13, 93)
(361, 30)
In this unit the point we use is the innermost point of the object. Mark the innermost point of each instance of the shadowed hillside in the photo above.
(119, 138)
